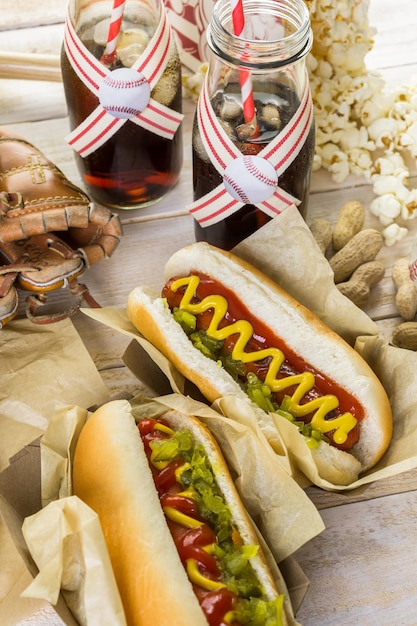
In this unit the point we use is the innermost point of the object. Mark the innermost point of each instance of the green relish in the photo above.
(233, 560)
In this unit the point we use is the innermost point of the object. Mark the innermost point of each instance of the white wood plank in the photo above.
(362, 568)
(31, 100)
(38, 39)
(26, 13)
(395, 41)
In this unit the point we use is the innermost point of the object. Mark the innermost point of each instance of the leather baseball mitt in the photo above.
(50, 231)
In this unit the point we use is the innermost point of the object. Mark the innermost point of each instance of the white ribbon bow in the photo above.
(279, 153)
(100, 125)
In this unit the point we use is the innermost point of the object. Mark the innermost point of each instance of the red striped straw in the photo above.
(109, 54)
(249, 111)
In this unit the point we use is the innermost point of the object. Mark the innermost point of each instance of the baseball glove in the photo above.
(50, 231)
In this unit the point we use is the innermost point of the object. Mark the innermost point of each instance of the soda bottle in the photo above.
(246, 171)
(124, 100)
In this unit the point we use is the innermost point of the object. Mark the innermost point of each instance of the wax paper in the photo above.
(286, 251)
(37, 371)
(65, 537)
(67, 544)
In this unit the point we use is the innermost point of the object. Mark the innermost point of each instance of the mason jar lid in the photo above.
(277, 33)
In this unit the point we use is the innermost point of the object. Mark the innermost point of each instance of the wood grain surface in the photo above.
(362, 568)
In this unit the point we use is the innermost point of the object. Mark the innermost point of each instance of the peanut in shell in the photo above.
(405, 336)
(349, 222)
(363, 247)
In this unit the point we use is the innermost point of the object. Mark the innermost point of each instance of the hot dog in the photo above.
(182, 547)
(265, 347)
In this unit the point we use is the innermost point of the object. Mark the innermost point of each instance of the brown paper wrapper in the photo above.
(39, 370)
(67, 544)
(397, 370)
(65, 537)
(286, 251)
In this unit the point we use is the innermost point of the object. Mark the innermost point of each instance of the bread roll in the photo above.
(112, 475)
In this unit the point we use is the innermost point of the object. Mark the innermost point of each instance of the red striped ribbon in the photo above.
(100, 125)
(280, 152)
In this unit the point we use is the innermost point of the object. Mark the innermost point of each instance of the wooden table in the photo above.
(362, 568)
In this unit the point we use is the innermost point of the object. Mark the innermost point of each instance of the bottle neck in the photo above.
(276, 34)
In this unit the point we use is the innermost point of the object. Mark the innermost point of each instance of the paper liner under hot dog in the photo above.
(65, 537)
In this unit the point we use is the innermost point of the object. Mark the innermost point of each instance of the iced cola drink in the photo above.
(135, 167)
(274, 110)
(253, 136)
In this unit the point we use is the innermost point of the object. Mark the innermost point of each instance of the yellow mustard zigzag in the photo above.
(321, 406)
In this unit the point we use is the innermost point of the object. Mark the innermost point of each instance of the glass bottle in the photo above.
(272, 50)
(138, 163)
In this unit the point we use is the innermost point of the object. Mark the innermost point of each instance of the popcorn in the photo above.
(387, 207)
(410, 205)
(391, 184)
(355, 138)
(362, 127)
(338, 166)
(360, 161)
(350, 59)
(393, 233)
(408, 139)
(317, 163)
(391, 164)
(383, 131)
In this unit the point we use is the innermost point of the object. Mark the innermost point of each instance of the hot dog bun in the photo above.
(112, 475)
(319, 346)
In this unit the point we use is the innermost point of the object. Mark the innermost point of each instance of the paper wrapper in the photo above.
(65, 538)
(397, 370)
(286, 251)
(67, 544)
(39, 370)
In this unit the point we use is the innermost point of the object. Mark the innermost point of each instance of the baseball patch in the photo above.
(250, 179)
(124, 93)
